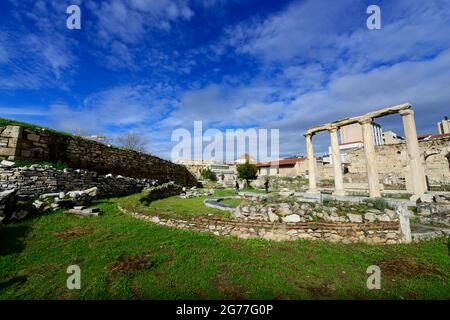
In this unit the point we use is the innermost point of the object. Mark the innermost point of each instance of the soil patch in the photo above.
(224, 285)
(326, 289)
(407, 267)
(132, 263)
(71, 233)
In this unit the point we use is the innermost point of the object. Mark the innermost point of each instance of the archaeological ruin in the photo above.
(300, 207)
(415, 167)
(23, 142)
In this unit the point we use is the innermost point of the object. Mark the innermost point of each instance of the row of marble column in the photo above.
(416, 169)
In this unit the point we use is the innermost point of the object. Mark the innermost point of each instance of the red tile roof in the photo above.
(282, 162)
(433, 136)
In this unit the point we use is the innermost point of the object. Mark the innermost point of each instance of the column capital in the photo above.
(365, 120)
(308, 134)
(406, 112)
(333, 128)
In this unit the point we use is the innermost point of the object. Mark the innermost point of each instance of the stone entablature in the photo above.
(19, 143)
(374, 233)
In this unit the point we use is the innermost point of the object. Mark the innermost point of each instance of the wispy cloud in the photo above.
(123, 107)
(37, 57)
(23, 111)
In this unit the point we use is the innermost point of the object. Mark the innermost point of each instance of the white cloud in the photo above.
(334, 32)
(123, 107)
(422, 83)
(317, 62)
(23, 111)
(225, 106)
(3, 55)
(130, 21)
(41, 56)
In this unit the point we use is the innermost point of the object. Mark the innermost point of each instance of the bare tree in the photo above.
(132, 141)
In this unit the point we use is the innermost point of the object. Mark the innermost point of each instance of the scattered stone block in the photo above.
(291, 218)
(49, 195)
(355, 218)
(7, 164)
(391, 213)
(370, 216)
(272, 216)
(283, 211)
(85, 212)
(426, 198)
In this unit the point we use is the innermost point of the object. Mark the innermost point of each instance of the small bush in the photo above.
(379, 203)
(208, 174)
(247, 171)
(162, 191)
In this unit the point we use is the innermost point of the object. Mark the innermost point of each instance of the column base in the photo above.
(315, 191)
(339, 193)
(375, 195)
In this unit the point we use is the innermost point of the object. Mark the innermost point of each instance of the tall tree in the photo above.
(247, 172)
(133, 141)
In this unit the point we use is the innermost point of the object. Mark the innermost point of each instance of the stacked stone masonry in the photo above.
(37, 180)
(392, 163)
(374, 233)
(19, 143)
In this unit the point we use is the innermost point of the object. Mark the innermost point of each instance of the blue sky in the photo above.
(155, 66)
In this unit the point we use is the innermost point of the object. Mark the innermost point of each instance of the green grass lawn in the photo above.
(232, 192)
(224, 192)
(253, 190)
(125, 258)
(232, 202)
(183, 207)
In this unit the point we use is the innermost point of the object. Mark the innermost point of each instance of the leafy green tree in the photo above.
(247, 172)
(208, 174)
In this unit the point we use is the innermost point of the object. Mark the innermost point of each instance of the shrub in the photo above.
(160, 192)
(208, 174)
(379, 203)
(247, 172)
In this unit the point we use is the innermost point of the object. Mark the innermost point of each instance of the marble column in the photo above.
(371, 162)
(416, 169)
(337, 167)
(311, 164)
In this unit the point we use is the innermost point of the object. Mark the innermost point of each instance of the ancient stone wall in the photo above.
(38, 180)
(392, 163)
(18, 143)
(325, 171)
(375, 233)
